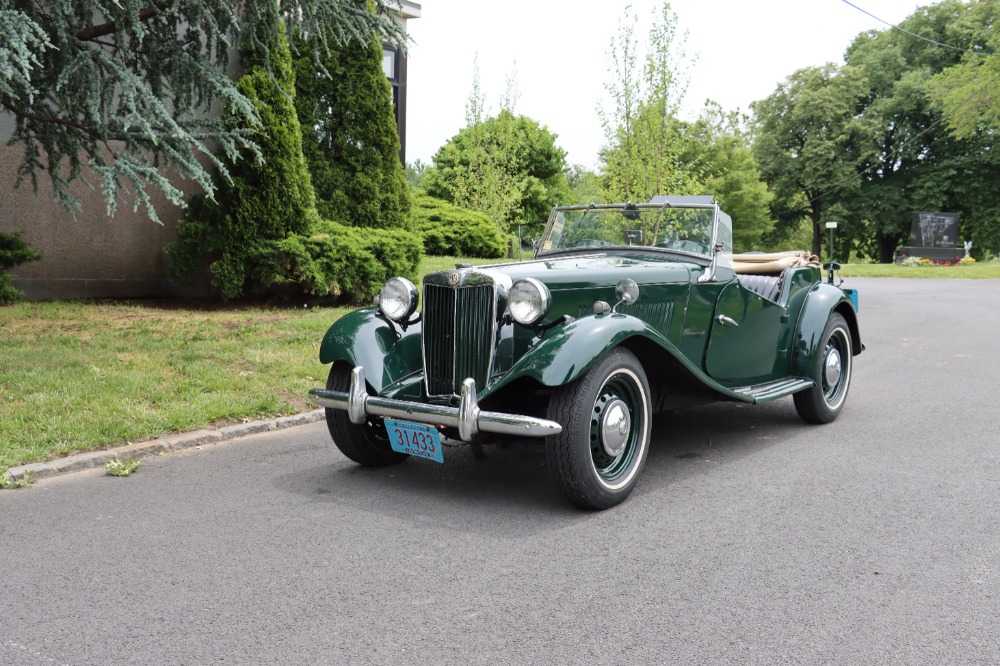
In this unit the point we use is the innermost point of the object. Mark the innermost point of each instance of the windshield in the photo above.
(683, 229)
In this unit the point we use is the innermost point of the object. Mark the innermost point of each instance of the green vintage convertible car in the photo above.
(624, 310)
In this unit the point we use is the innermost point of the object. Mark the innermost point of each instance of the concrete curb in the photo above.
(177, 442)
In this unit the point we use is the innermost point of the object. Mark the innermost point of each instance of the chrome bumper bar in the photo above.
(467, 417)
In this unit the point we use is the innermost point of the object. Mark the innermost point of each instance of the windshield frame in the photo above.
(714, 249)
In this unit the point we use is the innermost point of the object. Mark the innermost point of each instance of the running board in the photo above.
(773, 390)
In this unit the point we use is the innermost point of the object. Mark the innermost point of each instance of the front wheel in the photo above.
(366, 444)
(605, 415)
(823, 402)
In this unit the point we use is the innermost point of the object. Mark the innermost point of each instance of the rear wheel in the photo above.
(605, 415)
(366, 444)
(822, 403)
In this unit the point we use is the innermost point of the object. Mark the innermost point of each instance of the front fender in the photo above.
(363, 338)
(821, 302)
(565, 353)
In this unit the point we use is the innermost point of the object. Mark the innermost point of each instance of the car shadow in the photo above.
(511, 493)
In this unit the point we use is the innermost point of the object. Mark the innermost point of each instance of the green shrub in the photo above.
(263, 234)
(349, 134)
(338, 261)
(14, 251)
(265, 200)
(449, 230)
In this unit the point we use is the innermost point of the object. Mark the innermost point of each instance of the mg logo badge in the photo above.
(454, 279)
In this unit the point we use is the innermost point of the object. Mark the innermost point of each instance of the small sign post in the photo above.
(829, 275)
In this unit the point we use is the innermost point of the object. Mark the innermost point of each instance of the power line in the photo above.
(907, 32)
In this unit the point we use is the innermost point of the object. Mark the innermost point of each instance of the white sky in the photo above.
(744, 49)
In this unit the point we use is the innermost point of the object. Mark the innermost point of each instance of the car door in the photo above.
(743, 344)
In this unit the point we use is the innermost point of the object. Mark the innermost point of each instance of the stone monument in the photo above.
(933, 236)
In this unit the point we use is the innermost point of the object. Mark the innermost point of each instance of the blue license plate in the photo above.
(415, 439)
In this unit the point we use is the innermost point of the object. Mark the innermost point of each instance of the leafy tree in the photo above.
(642, 157)
(968, 92)
(507, 166)
(584, 185)
(810, 142)
(918, 165)
(262, 234)
(126, 88)
(415, 173)
(349, 135)
(718, 149)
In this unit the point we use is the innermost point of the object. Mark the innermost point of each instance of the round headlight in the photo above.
(398, 299)
(528, 301)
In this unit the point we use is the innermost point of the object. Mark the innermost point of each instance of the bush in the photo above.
(338, 261)
(14, 251)
(453, 231)
(349, 134)
(264, 201)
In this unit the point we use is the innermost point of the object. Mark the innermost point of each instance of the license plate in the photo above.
(415, 439)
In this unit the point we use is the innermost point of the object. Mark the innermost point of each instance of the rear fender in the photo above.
(365, 338)
(822, 301)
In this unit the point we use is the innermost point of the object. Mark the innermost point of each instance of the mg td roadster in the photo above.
(623, 311)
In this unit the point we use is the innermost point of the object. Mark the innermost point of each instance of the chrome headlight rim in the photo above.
(398, 299)
(532, 292)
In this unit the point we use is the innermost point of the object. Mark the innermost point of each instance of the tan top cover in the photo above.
(774, 263)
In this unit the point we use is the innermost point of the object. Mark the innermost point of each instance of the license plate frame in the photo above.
(415, 439)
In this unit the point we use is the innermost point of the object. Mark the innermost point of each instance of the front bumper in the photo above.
(467, 417)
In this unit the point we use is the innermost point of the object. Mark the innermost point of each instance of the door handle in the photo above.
(727, 321)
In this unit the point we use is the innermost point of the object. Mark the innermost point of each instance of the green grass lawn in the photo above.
(77, 376)
(978, 271)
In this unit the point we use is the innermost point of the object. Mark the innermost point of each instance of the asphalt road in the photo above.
(751, 539)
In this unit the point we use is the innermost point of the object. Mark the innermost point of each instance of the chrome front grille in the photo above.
(459, 327)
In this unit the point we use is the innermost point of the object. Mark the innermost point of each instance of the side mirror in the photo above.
(627, 292)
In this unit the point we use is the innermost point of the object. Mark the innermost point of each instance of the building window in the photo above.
(389, 63)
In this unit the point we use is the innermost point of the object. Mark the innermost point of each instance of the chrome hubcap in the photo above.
(832, 367)
(615, 426)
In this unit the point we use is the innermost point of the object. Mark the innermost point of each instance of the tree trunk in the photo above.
(885, 246)
(815, 215)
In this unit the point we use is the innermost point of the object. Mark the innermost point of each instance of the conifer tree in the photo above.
(264, 199)
(124, 88)
(349, 135)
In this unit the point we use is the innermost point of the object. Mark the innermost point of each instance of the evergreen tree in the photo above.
(349, 136)
(125, 88)
(266, 198)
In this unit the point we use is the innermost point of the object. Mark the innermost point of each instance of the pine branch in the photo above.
(96, 31)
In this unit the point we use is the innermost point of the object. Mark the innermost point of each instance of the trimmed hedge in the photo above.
(338, 261)
(452, 231)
